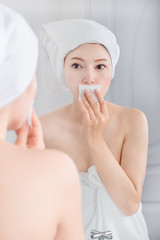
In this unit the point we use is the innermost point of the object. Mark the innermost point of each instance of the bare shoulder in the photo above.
(42, 181)
(136, 120)
(129, 117)
(42, 166)
(61, 176)
(58, 163)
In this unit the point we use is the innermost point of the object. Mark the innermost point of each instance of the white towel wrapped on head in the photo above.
(18, 55)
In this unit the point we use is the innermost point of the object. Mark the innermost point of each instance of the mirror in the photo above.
(136, 83)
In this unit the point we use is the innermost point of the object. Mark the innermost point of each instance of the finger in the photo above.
(35, 120)
(84, 111)
(22, 136)
(35, 138)
(102, 103)
(88, 106)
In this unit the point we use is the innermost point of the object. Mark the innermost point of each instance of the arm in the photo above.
(123, 182)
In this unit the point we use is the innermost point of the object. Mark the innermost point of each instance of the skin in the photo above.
(109, 136)
(34, 182)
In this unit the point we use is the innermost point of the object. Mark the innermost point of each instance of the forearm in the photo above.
(114, 178)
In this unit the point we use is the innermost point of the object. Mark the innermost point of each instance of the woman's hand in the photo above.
(31, 136)
(95, 115)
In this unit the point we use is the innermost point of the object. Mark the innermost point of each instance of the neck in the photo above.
(75, 112)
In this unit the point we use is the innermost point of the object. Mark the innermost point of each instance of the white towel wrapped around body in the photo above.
(102, 214)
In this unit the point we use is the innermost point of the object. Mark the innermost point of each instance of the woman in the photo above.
(33, 183)
(107, 142)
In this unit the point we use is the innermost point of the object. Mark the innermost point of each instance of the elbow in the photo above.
(131, 210)
(132, 207)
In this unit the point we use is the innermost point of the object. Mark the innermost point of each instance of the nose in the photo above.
(89, 77)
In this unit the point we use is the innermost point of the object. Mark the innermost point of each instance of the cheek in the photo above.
(34, 89)
(68, 76)
(104, 89)
(105, 83)
(72, 80)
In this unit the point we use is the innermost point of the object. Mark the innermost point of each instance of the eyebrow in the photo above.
(103, 59)
(81, 59)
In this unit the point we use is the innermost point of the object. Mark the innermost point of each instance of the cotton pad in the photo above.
(91, 88)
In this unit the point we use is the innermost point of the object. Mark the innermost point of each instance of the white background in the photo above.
(136, 83)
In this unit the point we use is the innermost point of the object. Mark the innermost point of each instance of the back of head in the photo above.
(18, 55)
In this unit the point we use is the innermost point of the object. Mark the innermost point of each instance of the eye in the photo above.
(100, 66)
(76, 65)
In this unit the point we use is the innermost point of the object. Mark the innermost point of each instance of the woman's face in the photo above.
(88, 64)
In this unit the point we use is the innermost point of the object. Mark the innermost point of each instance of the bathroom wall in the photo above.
(136, 83)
